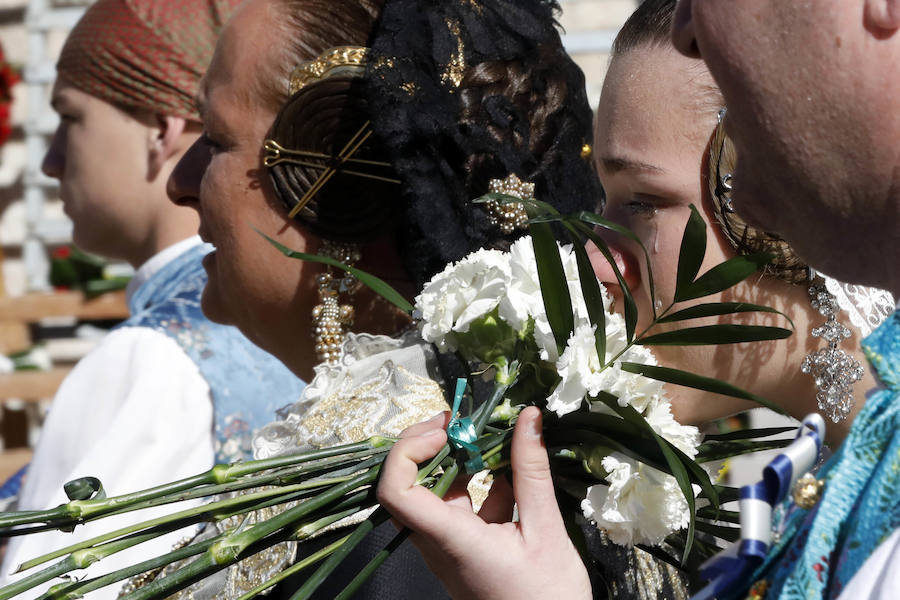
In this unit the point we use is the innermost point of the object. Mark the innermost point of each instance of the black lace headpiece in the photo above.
(451, 85)
(456, 93)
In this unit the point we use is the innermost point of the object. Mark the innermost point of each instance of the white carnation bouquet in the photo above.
(489, 307)
(536, 323)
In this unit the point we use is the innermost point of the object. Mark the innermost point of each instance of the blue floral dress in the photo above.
(819, 550)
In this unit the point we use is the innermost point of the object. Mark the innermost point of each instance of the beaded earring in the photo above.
(331, 319)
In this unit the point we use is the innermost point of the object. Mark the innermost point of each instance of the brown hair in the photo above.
(310, 27)
(649, 24)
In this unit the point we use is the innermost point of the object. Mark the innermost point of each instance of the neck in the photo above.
(169, 225)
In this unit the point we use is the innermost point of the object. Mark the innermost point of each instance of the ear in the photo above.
(883, 14)
(164, 142)
(683, 30)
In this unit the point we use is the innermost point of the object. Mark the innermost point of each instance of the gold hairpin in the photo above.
(344, 59)
(277, 154)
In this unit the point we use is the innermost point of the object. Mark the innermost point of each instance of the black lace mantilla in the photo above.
(450, 128)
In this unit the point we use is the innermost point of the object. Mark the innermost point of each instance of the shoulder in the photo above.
(128, 362)
(879, 576)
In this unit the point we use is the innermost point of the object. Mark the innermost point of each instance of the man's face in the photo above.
(810, 111)
(99, 155)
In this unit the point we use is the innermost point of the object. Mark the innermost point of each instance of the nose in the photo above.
(54, 162)
(183, 186)
(683, 30)
(625, 261)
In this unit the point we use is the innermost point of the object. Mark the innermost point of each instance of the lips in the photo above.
(205, 237)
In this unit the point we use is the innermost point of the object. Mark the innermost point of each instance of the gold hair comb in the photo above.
(344, 59)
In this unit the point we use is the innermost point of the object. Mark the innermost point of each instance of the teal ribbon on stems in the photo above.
(461, 432)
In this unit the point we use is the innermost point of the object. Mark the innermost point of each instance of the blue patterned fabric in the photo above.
(247, 385)
(820, 550)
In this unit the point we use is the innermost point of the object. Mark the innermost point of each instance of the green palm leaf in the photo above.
(715, 335)
(715, 309)
(697, 382)
(377, 285)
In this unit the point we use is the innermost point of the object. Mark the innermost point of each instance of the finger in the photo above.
(498, 507)
(438, 421)
(458, 494)
(532, 483)
(412, 505)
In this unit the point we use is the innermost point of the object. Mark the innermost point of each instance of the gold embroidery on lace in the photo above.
(373, 408)
(456, 69)
(345, 58)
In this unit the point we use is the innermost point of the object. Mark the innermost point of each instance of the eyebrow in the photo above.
(615, 165)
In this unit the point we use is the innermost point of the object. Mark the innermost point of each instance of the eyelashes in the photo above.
(641, 208)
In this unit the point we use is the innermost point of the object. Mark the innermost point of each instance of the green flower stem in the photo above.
(80, 559)
(233, 547)
(490, 453)
(26, 583)
(353, 540)
(447, 478)
(302, 532)
(295, 568)
(79, 588)
(440, 489)
(189, 515)
(281, 477)
(483, 414)
(350, 590)
(81, 510)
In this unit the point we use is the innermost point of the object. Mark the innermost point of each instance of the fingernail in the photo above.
(535, 428)
(432, 432)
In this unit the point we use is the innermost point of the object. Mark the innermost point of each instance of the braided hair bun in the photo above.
(321, 119)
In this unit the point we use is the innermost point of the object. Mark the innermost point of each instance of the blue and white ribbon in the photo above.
(734, 565)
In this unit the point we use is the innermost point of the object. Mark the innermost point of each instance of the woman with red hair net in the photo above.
(167, 393)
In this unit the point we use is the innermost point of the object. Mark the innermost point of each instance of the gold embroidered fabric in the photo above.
(380, 386)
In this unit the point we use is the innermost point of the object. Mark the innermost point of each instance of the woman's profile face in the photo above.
(251, 285)
(656, 113)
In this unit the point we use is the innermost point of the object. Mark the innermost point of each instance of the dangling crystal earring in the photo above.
(834, 370)
(331, 319)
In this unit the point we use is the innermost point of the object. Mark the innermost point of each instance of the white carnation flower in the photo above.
(641, 505)
(684, 437)
(579, 367)
(524, 299)
(580, 370)
(460, 294)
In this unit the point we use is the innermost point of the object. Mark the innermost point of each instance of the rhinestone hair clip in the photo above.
(509, 216)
